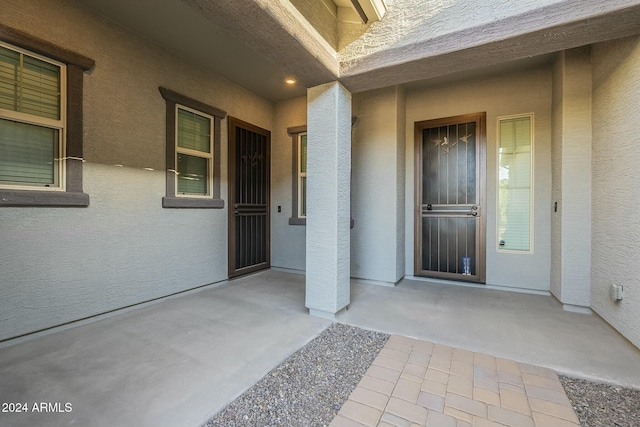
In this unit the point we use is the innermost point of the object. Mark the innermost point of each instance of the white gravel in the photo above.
(310, 387)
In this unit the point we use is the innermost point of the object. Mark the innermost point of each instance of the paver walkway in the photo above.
(418, 383)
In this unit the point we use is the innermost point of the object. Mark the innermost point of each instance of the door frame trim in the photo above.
(481, 167)
(232, 123)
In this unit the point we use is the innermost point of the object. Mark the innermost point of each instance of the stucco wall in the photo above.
(515, 93)
(556, 174)
(376, 245)
(287, 241)
(616, 192)
(60, 265)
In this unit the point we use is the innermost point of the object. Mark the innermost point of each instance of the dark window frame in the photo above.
(173, 99)
(76, 65)
(295, 132)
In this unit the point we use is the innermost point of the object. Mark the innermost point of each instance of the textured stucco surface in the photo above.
(60, 265)
(328, 203)
(616, 193)
(376, 246)
(501, 95)
(321, 18)
(287, 241)
(571, 158)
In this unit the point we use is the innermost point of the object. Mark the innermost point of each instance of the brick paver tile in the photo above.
(407, 390)
(462, 423)
(465, 404)
(440, 363)
(369, 398)
(484, 360)
(553, 409)
(441, 350)
(431, 401)
(361, 413)
(435, 375)
(399, 346)
(458, 414)
(483, 422)
(544, 382)
(487, 384)
(387, 362)
(486, 396)
(512, 387)
(484, 372)
(459, 367)
(406, 410)
(419, 357)
(423, 346)
(434, 387)
(509, 418)
(394, 420)
(376, 384)
(538, 370)
(401, 339)
(394, 354)
(506, 377)
(508, 366)
(436, 419)
(460, 355)
(340, 421)
(544, 420)
(514, 401)
(460, 385)
(384, 424)
(559, 397)
(413, 372)
(383, 373)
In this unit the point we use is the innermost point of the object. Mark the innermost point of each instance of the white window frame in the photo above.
(531, 184)
(301, 175)
(196, 153)
(60, 125)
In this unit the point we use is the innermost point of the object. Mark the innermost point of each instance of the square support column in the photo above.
(328, 199)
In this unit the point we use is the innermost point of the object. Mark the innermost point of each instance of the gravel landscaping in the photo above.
(310, 387)
(603, 405)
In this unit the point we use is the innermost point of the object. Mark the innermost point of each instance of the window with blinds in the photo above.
(194, 153)
(31, 120)
(302, 175)
(515, 177)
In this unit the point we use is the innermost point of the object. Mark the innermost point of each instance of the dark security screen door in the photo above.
(249, 248)
(450, 220)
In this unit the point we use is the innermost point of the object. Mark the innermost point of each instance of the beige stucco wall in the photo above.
(616, 192)
(60, 265)
(516, 93)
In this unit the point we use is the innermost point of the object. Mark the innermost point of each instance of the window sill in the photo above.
(25, 198)
(191, 203)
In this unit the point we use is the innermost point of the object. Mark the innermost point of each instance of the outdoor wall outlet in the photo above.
(279, 208)
(617, 292)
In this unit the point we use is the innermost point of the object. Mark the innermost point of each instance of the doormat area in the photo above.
(310, 387)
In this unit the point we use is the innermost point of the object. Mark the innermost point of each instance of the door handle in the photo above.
(474, 211)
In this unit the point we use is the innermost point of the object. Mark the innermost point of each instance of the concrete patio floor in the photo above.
(182, 359)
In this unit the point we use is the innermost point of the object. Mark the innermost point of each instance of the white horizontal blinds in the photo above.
(27, 153)
(514, 196)
(194, 155)
(302, 176)
(30, 120)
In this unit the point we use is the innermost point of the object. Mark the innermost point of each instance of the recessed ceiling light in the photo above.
(290, 81)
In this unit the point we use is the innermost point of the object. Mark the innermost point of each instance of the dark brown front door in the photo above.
(450, 211)
(249, 160)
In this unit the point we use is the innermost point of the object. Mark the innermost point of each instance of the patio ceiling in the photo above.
(258, 43)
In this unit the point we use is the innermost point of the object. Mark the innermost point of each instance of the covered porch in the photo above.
(179, 360)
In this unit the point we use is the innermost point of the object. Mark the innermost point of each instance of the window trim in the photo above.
(531, 185)
(76, 64)
(173, 101)
(295, 133)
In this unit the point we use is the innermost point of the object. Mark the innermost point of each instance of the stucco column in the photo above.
(328, 199)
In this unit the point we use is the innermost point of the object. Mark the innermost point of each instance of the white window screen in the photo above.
(194, 154)
(515, 144)
(31, 121)
(302, 176)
